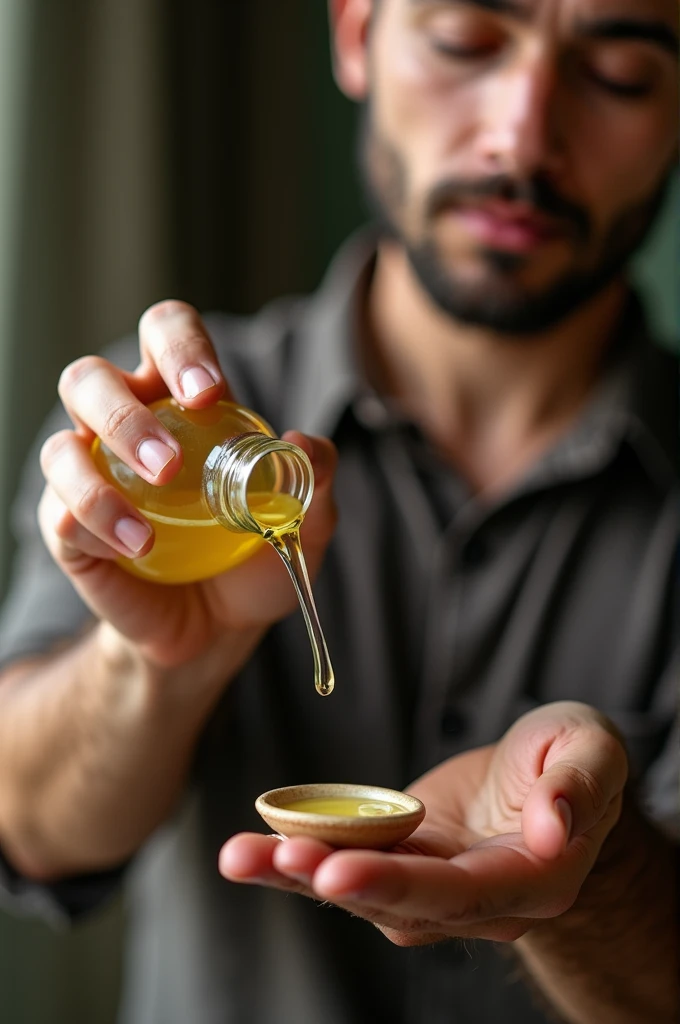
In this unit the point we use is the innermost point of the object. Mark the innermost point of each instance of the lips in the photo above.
(511, 227)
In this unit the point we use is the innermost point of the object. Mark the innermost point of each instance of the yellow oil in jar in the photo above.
(345, 807)
(194, 546)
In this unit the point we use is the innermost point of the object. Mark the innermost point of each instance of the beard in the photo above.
(497, 299)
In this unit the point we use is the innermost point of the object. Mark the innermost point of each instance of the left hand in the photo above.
(510, 834)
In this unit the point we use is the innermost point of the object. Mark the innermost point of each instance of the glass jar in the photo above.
(239, 486)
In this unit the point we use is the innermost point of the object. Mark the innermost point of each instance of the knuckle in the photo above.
(90, 500)
(118, 417)
(477, 908)
(164, 310)
(175, 349)
(53, 448)
(73, 375)
(587, 782)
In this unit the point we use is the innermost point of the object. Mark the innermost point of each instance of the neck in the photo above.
(491, 404)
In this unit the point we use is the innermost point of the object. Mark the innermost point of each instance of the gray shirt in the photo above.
(446, 619)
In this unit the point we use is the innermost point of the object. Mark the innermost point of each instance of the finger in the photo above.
(94, 503)
(176, 346)
(411, 887)
(70, 544)
(260, 860)
(97, 397)
(249, 858)
(286, 865)
(493, 880)
(579, 790)
(298, 858)
(321, 452)
(321, 517)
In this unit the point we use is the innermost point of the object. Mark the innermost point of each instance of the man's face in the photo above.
(518, 149)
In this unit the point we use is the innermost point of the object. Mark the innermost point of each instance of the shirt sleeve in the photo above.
(59, 903)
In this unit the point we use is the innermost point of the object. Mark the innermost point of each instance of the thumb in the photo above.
(579, 790)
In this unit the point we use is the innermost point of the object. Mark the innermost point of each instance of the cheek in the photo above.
(419, 111)
(618, 160)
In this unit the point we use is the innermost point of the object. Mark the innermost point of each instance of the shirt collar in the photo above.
(637, 399)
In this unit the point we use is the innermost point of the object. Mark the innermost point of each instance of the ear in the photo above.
(350, 22)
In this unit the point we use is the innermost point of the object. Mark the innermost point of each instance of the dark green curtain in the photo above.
(195, 148)
(262, 150)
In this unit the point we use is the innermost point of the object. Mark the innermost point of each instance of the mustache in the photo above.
(537, 191)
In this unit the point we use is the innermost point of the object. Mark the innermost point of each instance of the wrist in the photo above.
(618, 944)
(144, 686)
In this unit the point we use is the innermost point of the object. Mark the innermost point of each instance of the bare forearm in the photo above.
(615, 956)
(95, 746)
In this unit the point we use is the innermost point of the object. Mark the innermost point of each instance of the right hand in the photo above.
(86, 522)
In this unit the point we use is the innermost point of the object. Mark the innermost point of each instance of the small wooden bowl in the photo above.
(376, 833)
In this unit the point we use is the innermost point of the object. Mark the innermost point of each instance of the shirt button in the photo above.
(475, 552)
(453, 723)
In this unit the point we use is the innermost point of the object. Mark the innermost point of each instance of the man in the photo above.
(508, 519)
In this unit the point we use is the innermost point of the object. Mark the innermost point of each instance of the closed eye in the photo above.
(464, 52)
(626, 90)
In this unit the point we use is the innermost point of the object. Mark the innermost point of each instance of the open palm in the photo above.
(510, 834)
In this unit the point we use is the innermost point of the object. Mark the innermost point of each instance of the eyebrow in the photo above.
(643, 30)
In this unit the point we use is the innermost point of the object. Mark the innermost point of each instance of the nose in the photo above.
(521, 133)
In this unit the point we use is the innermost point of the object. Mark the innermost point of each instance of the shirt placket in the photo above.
(449, 556)
(441, 726)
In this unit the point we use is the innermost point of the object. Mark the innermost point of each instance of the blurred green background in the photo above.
(151, 149)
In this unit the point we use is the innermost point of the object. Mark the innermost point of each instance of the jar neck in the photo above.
(227, 478)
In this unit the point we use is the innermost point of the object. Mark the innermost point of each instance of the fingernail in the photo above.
(564, 811)
(154, 455)
(132, 533)
(194, 381)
